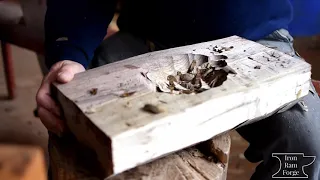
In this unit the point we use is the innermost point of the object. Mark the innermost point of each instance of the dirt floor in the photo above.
(18, 125)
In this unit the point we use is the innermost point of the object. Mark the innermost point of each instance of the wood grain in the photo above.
(21, 163)
(193, 163)
(124, 136)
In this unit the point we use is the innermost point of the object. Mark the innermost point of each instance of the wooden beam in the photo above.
(102, 115)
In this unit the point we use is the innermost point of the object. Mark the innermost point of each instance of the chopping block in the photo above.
(69, 160)
(129, 113)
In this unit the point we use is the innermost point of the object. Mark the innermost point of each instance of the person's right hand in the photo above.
(48, 110)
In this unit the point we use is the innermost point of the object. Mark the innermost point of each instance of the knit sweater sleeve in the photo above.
(74, 29)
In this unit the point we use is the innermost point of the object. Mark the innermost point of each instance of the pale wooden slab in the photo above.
(124, 136)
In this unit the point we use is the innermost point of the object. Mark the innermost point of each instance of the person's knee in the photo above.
(293, 131)
(301, 126)
(117, 47)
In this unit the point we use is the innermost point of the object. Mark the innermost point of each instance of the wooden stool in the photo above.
(208, 160)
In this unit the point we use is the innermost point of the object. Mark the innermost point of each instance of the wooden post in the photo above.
(8, 68)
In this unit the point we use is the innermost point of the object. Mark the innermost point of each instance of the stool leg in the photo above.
(316, 84)
(8, 68)
(43, 67)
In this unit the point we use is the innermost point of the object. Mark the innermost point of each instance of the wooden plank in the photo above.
(124, 136)
(188, 164)
(21, 163)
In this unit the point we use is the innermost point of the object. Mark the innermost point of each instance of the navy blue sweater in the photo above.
(179, 22)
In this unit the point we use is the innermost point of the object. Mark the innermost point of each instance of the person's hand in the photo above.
(48, 110)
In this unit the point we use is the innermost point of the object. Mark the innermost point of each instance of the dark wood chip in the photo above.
(152, 109)
(187, 85)
(186, 91)
(207, 71)
(93, 91)
(131, 66)
(257, 67)
(186, 77)
(214, 73)
(219, 63)
(197, 81)
(127, 94)
(192, 66)
(216, 78)
(171, 78)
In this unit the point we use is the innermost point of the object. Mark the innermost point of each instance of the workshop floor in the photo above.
(19, 126)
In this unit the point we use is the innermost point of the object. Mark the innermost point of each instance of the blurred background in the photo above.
(21, 36)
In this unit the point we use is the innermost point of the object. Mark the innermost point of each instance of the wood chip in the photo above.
(219, 63)
(131, 66)
(257, 67)
(227, 48)
(216, 78)
(198, 79)
(152, 109)
(127, 94)
(93, 91)
(222, 49)
(171, 78)
(187, 85)
(192, 66)
(186, 77)
(186, 91)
